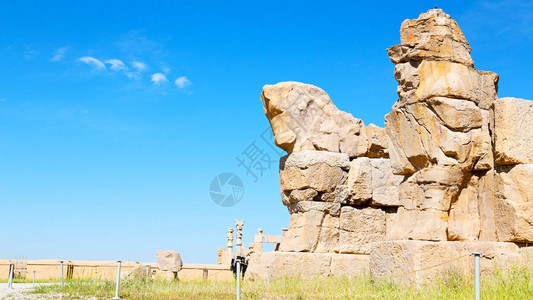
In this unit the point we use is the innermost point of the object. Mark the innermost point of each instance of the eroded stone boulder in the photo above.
(168, 260)
(303, 117)
(433, 36)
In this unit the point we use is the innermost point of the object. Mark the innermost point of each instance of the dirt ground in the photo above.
(18, 292)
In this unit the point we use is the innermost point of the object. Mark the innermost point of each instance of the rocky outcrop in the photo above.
(303, 117)
(453, 164)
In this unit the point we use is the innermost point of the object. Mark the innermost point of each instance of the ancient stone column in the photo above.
(238, 237)
(230, 238)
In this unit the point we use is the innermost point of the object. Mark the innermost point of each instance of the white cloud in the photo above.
(116, 64)
(30, 54)
(158, 78)
(97, 64)
(139, 66)
(59, 54)
(182, 82)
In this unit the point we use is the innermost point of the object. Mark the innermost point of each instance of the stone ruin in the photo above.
(449, 174)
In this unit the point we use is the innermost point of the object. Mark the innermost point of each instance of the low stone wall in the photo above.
(401, 261)
(306, 265)
(418, 261)
(106, 270)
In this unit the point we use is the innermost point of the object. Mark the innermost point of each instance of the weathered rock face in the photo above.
(303, 117)
(439, 132)
(433, 36)
(453, 162)
(514, 203)
(513, 131)
(306, 265)
(393, 258)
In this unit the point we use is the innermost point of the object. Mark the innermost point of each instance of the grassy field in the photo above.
(515, 284)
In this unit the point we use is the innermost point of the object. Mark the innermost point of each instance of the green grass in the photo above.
(514, 284)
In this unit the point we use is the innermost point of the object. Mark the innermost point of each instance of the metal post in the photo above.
(268, 274)
(118, 282)
(148, 267)
(61, 262)
(10, 280)
(477, 275)
(238, 261)
(33, 278)
(95, 273)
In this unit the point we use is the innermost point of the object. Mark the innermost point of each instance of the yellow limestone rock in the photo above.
(513, 131)
(514, 203)
(303, 117)
(359, 227)
(360, 181)
(314, 227)
(433, 36)
(394, 258)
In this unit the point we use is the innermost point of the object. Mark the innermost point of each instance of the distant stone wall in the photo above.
(106, 270)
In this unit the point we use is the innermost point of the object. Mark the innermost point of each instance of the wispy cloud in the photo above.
(30, 54)
(139, 66)
(158, 78)
(95, 63)
(59, 54)
(182, 82)
(116, 64)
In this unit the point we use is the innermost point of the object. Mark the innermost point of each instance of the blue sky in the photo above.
(116, 116)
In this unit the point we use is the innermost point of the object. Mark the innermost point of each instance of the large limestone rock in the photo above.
(449, 174)
(438, 118)
(320, 177)
(433, 36)
(318, 170)
(306, 265)
(360, 181)
(514, 203)
(394, 258)
(306, 158)
(359, 227)
(372, 181)
(314, 227)
(385, 184)
(168, 260)
(377, 142)
(464, 222)
(303, 117)
(413, 224)
(487, 204)
(513, 131)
